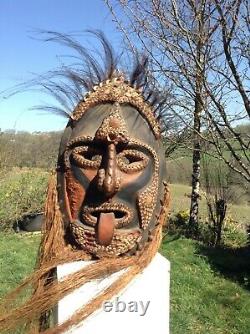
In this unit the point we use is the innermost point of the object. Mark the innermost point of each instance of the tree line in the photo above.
(24, 149)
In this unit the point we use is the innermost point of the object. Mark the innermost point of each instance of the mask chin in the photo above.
(87, 239)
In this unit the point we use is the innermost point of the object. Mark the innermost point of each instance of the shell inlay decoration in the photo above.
(118, 166)
(113, 127)
(109, 220)
(117, 90)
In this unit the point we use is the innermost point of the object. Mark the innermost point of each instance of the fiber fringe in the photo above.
(33, 313)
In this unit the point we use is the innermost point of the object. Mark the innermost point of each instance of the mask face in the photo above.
(110, 176)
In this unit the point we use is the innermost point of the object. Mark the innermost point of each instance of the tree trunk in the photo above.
(194, 207)
(195, 195)
(198, 107)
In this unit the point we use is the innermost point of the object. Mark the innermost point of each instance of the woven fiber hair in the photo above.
(34, 311)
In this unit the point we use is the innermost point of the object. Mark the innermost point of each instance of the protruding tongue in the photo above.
(105, 228)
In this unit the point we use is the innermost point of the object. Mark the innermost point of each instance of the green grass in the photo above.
(208, 294)
(180, 201)
(202, 299)
(17, 258)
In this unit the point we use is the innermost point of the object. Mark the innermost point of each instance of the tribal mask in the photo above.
(110, 186)
(111, 170)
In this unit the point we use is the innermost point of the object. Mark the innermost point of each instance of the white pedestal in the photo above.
(143, 307)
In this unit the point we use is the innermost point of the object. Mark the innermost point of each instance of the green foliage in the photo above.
(178, 223)
(24, 149)
(233, 234)
(22, 191)
(183, 217)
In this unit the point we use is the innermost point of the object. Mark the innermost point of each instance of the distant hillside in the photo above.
(24, 149)
(40, 149)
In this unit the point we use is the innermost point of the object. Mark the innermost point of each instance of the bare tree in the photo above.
(178, 36)
(228, 86)
(217, 181)
(201, 49)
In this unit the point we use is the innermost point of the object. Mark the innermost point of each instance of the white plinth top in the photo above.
(142, 307)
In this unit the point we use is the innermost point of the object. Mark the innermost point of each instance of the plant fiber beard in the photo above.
(33, 312)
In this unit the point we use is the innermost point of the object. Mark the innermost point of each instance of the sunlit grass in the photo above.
(180, 201)
(208, 294)
(202, 300)
(17, 258)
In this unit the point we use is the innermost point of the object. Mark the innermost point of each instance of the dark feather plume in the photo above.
(69, 84)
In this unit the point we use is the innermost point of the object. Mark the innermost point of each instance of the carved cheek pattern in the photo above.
(146, 200)
(75, 194)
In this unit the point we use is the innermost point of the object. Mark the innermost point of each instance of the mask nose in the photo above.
(108, 181)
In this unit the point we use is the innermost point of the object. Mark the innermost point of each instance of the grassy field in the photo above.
(206, 297)
(17, 258)
(180, 201)
(210, 289)
(22, 191)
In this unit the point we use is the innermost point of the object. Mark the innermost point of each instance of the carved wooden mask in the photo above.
(111, 169)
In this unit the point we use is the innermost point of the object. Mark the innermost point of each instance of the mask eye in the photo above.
(86, 157)
(131, 161)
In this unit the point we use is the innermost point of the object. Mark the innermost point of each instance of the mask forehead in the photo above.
(93, 118)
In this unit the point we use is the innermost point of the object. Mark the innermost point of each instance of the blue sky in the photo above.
(22, 55)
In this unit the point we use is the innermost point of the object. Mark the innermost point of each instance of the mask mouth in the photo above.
(122, 214)
(105, 243)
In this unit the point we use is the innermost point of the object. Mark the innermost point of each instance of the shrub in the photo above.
(22, 191)
(183, 217)
(233, 234)
(178, 223)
